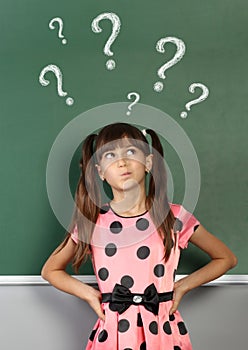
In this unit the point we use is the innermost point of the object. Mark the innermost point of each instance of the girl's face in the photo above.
(123, 166)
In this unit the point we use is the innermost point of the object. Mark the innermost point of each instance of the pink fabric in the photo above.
(129, 251)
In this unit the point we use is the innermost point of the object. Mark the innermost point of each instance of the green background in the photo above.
(216, 38)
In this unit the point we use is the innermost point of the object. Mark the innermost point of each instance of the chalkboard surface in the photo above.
(206, 43)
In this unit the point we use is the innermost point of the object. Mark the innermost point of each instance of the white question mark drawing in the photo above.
(158, 86)
(137, 98)
(116, 25)
(60, 23)
(58, 74)
(204, 95)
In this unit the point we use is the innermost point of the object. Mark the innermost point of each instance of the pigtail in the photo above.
(87, 199)
(88, 193)
(157, 200)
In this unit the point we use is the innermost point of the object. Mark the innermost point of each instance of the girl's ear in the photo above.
(100, 172)
(149, 162)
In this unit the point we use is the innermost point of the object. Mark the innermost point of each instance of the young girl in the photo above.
(134, 242)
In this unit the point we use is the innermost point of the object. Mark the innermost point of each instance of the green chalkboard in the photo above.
(215, 37)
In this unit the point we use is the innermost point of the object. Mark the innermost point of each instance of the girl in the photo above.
(134, 242)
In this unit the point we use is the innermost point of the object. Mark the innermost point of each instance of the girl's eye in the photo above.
(109, 155)
(130, 152)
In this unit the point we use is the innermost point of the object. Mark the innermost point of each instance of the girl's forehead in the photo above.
(120, 143)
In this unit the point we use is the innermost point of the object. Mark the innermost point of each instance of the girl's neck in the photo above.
(129, 204)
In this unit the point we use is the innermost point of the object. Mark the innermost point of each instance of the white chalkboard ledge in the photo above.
(90, 279)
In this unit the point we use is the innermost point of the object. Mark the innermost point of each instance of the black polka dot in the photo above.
(167, 327)
(116, 227)
(139, 321)
(104, 209)
(178, 225)
(128, 349)
(127, 281)
(112, 307)
(177, 347)
(103, 274)
(92, 335)
(143, 346)
(172, 317)
(143, 252)
(196, 227)
(153, 327)
(103, 335)
(123, 325)
(159, 270)
(182, 328)
(110, 249)
(142, 224)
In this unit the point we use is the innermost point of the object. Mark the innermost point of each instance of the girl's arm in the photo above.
(222, 259)
(54, 272)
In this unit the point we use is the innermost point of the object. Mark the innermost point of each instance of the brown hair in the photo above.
(88, 194)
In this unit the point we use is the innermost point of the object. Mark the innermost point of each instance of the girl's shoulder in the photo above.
(185, 224)
(177, 209)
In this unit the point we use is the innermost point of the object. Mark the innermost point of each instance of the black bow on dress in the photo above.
(122, 298)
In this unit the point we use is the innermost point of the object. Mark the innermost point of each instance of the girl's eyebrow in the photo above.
(109, 150)
(129, 146)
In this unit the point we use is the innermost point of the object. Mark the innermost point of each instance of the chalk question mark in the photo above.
(204, 95)
(137, 98)
(60, 23)
(158, 86)
(58, 74)
(116, 25)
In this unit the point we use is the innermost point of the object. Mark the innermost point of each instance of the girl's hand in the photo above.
(179, 291)
(94, 300)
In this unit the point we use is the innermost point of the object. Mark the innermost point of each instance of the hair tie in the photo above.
(144, 132)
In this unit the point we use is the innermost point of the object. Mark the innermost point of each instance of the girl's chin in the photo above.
(130, 183)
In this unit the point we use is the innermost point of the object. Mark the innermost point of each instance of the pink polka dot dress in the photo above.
(127, 254)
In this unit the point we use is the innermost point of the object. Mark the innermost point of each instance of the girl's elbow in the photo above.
(233, 261)
(45, 273)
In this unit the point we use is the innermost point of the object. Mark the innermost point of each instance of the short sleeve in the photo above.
(185, 225)
(74, 234)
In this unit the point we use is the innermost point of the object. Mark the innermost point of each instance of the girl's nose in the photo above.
(122, 161)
